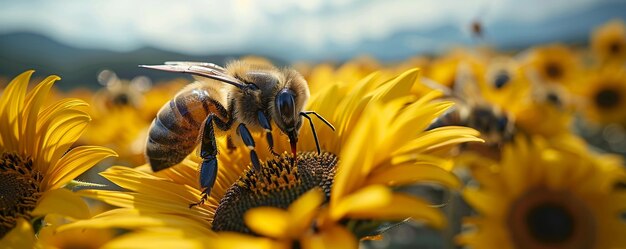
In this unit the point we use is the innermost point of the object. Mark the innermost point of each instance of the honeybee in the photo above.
(241, 98)
(472, 110)
(476, 28)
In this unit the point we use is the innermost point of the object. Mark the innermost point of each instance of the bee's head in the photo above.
(288, 116)
(292, 94)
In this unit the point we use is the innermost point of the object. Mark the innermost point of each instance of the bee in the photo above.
(231, 101)
(120, 93)
(472, 110)
(476, 28)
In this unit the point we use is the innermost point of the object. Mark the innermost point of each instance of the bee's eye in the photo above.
(286, 106)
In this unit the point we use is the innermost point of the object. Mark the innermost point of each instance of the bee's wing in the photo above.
(197, 63)
(200, 69)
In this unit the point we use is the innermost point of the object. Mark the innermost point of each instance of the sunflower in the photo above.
(543, 109)
(50, 238)
(552, 64)
(503, 81)
(608, 42)
(128, 101)
(35, 163)
(445, 69)
(380, 140)
(547, 195)
(604, 94)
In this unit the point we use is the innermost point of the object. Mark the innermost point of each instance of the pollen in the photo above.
(19, 190)
(278, 184)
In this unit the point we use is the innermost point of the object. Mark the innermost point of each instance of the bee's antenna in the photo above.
(306, 115)
(320, 117)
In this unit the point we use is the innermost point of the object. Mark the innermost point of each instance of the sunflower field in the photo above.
(471, 147)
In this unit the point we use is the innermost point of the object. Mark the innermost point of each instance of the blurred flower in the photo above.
(135, 103)
(503, 81)
(546, 195)
(35, 163)
(552, 64)
(380, 140)
(604, 92)
(119, 93)
(608, 42)
(121, 129)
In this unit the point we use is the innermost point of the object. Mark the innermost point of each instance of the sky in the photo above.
(312, 29)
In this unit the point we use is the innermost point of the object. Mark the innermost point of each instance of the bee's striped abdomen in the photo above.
(174, 131)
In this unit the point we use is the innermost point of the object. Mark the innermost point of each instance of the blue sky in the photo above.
(293, 30)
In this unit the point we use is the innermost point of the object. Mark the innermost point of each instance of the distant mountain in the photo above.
(78, 66)
(571, 28)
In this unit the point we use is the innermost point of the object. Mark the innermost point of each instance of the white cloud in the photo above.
(196, 26)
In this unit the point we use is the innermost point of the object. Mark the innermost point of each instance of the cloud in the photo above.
(304, 27)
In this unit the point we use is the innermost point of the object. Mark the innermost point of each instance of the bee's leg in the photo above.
(268, 132)
(208, 153)
(249, 141)
(230, 145)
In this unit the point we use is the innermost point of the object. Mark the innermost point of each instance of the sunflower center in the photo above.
(279, 183)
(554, 70)
(121, 99)
(607, 98)
(553, 98)
(549, 219)
(550, 223)
(615, 48)
(501, 79)
(19, 190)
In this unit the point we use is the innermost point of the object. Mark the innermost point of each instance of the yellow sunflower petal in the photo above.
(397, 87)
(64, 202)
(402, 206)
(408, 173)
(115, 198)
(439, 138)
(303, 210)
(59, 131)
(368, 198)
(10, 108)
(415, 119)
(160, 239)
(170, 201)
(77, 161)
(268, 221)
(133, 219)
(152, 193)
(482, 202)
(357, 153)
(21, 236)
(228, 240)
(34, 101)
(351, 106)
(331, 237)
